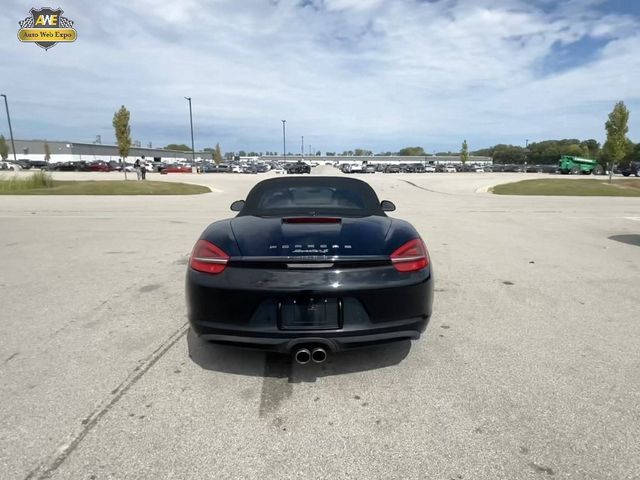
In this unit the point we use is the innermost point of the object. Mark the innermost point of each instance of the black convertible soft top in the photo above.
(312, 196)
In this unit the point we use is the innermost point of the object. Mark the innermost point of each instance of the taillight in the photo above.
(411, 257)
(208, 258)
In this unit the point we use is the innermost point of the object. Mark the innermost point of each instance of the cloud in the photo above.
(344, 73)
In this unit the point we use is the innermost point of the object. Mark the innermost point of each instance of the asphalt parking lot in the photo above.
(528, 370)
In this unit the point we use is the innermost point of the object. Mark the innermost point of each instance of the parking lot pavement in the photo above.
(529, 368)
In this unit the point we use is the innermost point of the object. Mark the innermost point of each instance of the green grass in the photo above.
(567, 187)
(42, 184)
(21, 184)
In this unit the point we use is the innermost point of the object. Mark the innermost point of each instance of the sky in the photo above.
(345, 74)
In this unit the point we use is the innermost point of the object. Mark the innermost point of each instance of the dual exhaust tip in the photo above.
(304, 355)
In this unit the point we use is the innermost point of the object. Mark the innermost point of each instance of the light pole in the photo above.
(193, 150)
(13, 145)
(526, 156)
(302, 147)
(284, 141)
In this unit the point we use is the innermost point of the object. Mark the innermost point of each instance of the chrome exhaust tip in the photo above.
(302, 356)
(319, 355)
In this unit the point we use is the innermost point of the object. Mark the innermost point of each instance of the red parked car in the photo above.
(176, 169)
(100, 167)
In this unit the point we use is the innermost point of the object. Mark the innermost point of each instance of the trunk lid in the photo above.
(310, 236)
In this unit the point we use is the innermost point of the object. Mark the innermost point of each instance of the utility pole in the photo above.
(284, 141)
(193, 150)
(302, 147)
(13, 145)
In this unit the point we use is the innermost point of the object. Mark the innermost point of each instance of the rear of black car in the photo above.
(272, 306)
(336, 278)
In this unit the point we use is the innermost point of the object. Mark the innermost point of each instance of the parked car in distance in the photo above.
(213, 168)
(24, 163)
(176, 169)
(369, 169)
(10, 166)
(299, 167)
(513, 168)
(631, 168)
(100, 167)
(429, 169)
(392, 169)
(450, 169)
(80, 166)
(547, 169)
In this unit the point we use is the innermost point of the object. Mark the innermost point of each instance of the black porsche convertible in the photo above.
(309, 265)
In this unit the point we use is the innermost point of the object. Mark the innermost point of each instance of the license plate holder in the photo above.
(309, 314)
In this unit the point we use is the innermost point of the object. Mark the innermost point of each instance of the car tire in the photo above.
(638, 172)
(626, 174)
(575, 171)
(598, 170)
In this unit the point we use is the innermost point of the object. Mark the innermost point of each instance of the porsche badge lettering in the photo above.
(309, 248)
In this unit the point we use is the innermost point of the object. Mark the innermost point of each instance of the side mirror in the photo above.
(387, 206)
(237, 205)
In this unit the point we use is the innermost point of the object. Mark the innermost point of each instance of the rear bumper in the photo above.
(241, 307)
(326, 340)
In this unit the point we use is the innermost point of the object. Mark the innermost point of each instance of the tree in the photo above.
(615, 147)
(633, 153)
(464, 152)
(592, 147)
(217, 154)
(412, 152)
(178, 146)
(47, 152)
(575, 150)
(4, 148)
(123, 134)
(361, 152)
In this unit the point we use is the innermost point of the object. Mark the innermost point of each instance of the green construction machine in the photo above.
(579, 166)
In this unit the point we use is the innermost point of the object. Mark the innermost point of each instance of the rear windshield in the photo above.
(312, 196)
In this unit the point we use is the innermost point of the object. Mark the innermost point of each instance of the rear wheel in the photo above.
(575, 170)
(638, 172)
(598, 170)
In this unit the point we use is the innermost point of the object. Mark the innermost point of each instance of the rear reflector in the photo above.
(208, 258)
(311, 220)
(411, 257)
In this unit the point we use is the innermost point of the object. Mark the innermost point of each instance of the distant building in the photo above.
(89, 152)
